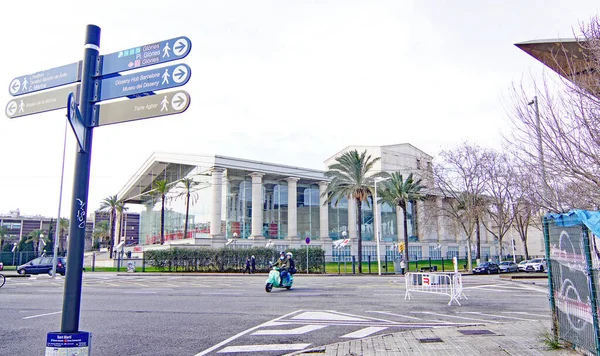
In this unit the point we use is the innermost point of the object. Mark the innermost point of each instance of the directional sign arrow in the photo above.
(162, 104)
(40, 102)
(146, 55)
(143, 82)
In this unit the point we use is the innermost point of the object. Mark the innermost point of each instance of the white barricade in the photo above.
(448, 283)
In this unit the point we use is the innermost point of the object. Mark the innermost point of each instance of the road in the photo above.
(135, 314)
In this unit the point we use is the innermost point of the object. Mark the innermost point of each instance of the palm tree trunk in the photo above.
(359, 231)
(162, 221)
(113, 241)
(187, 214)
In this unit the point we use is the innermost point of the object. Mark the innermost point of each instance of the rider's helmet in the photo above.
(282, 255)
(289, 254)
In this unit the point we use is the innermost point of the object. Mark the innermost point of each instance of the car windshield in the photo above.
(485, 264)
(505, 263)
(537, 260)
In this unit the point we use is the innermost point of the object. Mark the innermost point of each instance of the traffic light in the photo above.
(401, 247)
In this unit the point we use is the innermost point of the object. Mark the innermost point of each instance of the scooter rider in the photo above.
(290, 257)
(283, 263)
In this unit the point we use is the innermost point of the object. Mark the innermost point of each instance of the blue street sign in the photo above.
(58, 343)
(151, 80)
(76, 122)
(49, 78)
(143, 56)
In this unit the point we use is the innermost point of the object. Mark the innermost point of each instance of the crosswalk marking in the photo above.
(364, 332)
(297, 331)
(325, 316)
(392, 314)
(269, 347)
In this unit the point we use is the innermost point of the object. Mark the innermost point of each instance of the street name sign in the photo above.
(162, 104)
(151, 80)
(40, 102)
(147, 55)
(49, 78)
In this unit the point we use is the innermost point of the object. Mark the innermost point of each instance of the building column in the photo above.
(257, 206)
(269, 199)
(323, 211)
(215, 207)
(292, 208)
(440, 219)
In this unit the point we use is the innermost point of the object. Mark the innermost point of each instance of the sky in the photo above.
(288, 82)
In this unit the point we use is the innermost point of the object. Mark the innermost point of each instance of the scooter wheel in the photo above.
(288, 287)
(268, 287)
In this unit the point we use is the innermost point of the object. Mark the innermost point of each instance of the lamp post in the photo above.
(40, 241)
(376, 221)
(538, 125)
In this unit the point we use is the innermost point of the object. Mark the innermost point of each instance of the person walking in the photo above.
(247, 266)
(252, 264)
(402, 266)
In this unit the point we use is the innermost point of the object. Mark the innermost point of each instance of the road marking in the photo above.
(392, 314)
(326, 316)
(459, 317)
(525, 313)
(224, 342)
(37, 316)
(140, 292)
(297, 331)
(497, 316)
(363, 332)
(269, 347)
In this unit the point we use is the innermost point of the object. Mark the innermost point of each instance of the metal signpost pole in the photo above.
(57, 232)
(72, 294)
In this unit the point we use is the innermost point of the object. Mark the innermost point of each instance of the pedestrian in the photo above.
(247, 265)
(402, 266)
(252, 264)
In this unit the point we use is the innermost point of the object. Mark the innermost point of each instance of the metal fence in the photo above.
(16, 258)
(573, 259)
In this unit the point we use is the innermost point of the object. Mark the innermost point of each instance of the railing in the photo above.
(449, 284)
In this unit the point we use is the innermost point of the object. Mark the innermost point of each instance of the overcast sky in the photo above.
(289, 82)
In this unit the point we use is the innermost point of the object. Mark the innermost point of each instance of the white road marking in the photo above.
(224, 342)
(363, 332)
(497, 316)
(525, 313)
(392, 314)
(297, 331)
(325, 316)
(269, 347)
(37, 316)
(458, 317)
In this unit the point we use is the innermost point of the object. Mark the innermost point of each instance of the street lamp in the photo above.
(538, 125)
(376, 220)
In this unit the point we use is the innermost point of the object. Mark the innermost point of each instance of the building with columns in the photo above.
(251, 203)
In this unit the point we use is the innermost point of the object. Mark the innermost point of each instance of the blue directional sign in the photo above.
(50, 78)
(143, 56)
(143, 82)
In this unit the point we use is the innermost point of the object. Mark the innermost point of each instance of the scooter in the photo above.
(273, 280)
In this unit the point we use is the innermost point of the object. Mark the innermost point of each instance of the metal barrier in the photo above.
(449, 284)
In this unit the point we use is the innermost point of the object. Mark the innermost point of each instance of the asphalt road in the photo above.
(135, 314)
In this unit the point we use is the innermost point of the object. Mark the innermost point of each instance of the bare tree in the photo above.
(461, 178)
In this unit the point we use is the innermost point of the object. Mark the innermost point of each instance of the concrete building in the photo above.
(251, 203)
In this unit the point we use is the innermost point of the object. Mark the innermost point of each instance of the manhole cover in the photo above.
(476, 332)
(427, 341)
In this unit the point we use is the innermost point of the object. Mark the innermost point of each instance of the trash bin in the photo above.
(434, 268)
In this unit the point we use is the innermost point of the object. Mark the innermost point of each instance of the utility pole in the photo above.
(538, 125)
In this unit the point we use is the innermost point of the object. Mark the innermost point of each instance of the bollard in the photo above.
(353, 264)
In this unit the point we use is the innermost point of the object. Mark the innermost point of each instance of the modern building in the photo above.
(247, 203)
(129, 225)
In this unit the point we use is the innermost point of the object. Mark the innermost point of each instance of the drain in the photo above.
(476, 332)
(430, 340)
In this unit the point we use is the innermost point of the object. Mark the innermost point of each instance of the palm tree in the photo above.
(397, 192)
(161, 188)
(111, 204)
(350, 179)
(101, 232)
(63, 228)
(188, 184)
(34, 237)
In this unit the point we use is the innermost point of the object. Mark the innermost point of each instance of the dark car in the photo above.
(486, 267)
(43, 265)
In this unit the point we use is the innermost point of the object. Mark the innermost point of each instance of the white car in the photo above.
(521, 265)
(536, 265)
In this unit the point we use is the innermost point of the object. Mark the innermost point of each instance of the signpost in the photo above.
(151, 80)
(40, 102)
(307, 242)
(147, 55)
(162, 104)
(99, 81)
(49, 78)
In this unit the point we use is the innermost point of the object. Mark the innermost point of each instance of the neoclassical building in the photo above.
(243, 203)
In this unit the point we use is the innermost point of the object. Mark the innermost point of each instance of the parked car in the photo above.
(536, 265)
(508, 266)
(521, 265)
(486, 267)
(43, 265)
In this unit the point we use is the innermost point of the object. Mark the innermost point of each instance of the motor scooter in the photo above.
(274, 282)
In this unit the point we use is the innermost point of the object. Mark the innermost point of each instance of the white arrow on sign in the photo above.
(14, 86)
(11, 108)
(180, 74)
(178, 102)
(180, 46)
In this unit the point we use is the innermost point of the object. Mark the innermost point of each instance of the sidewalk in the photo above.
(519, 338)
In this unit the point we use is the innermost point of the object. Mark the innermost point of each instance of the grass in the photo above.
(547, 338)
